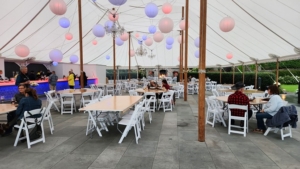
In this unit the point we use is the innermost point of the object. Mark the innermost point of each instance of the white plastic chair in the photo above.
(25, 127)
(166, 101)
(213, 111)
(231, 117)
(67, 99)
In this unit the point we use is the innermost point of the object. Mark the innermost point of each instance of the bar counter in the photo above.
(9, 89)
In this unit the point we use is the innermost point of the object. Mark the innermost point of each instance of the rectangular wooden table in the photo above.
(6, 108)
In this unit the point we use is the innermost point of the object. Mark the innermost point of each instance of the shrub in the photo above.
(288, 79)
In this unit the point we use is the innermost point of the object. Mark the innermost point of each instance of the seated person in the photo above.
(29, 102)
(270, 109)
(152, 84)
(238, 97)
(165, 84)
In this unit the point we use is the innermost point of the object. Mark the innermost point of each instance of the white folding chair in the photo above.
(208, 86)
(244, 118)
(133, 93)
(52, 97)
(25, 127)
(258, 94)
(213, 111)
(228, 93)
(153, 101)
(215, 93)
(67, 99)
(86, 98)
(48, 117)
(166, 101)
(118, 90)
(110, 90)
(190, 89)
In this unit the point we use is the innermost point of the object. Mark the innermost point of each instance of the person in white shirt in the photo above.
(270, 109)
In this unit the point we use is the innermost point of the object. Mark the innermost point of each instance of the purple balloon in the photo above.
(74, 58)
(56, 55)
(151, 10)
(119, 41)
(64, 22)
(170, 40)
(107, 57)
(152, 29)
(54, 63)
(169, 47)
(197, 42)
(109, 24)
(197, 53)
(98, 31)
(140, 42)
(117, 2)
(144, 37)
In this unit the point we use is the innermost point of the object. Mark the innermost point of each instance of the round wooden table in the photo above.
(245, 91)
(140, 90)
(76, 91)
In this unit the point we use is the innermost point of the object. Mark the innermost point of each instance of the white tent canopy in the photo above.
(248, 41)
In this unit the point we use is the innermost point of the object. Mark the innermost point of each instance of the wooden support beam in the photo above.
(80, 44)
(186, 48)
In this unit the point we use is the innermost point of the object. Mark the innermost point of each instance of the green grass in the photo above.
(289, 88)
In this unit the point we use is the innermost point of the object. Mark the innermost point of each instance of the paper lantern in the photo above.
(137, 35)
(124, 36)
(169, 40)
(169, 47)
(167, 8)
(117, 2)
(56, 55)
(69, 36)
(95, 42)
(182, 25)
(22, 50)
(74, 58)
(149, 41)
(158, 37)
(166, 25)
(229, 56)
(152, 29)
(107, 57)
(119, 41)
(197, 42)
(113, 17)
(98, 30)
(132, 53)
(58, 7)
(144, 37)
(179, 39)
(151, 10)
(54, 63)
(64, 22)
(227, 24)
(197, 54)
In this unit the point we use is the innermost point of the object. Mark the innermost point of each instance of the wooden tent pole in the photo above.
(129, 59)
(277, 72)
(114, 61)
(233, 73)
(181, 49)
(255, 85)
(201, 71)
(186, 48)
(243, 73)
(80, 44)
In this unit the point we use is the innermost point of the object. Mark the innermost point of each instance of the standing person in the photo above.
(1, 78)
(11, 115)
(84, 79)
(32, 76)
(238, 97)
(48, 73)
(22, 78)
(271, 108)
(52, 81)
(71, 80)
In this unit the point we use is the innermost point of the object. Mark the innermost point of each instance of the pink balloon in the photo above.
(137, 35)
(227, 24)
(94, 42)
(229, 56)
(22, 50)
(149, 41)
(124, 36)
(158, 36)
(132, 53)
(182, 25)
(113, 17)
(166, 25)
(58, 7)
(179, 39)
(178, 59)
(69, 36)
(167, 8)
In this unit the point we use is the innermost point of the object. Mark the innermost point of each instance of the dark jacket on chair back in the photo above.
(285, 115)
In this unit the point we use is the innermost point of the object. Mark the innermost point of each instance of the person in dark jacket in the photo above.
(52, 81)
(84, 79)
(22, 78)
(32, 76)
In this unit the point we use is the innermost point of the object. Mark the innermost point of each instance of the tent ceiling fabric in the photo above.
(249, 39)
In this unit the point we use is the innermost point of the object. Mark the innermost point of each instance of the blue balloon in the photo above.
(169, 47)
(140, 42)
(54, 63)
(117, 2)
(119, 41)
(94, 0)
(107, 57)
(74, 58)
(197, 53)
(144, 37)
(151, 10)
(64, 22)
(197, 42)
(98, 31)
(109, 24)
(170, 40)
(152, 29)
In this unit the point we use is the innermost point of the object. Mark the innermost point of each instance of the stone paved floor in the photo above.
(170, 142)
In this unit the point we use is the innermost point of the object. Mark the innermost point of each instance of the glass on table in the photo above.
(2, 99)
(12, 100)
